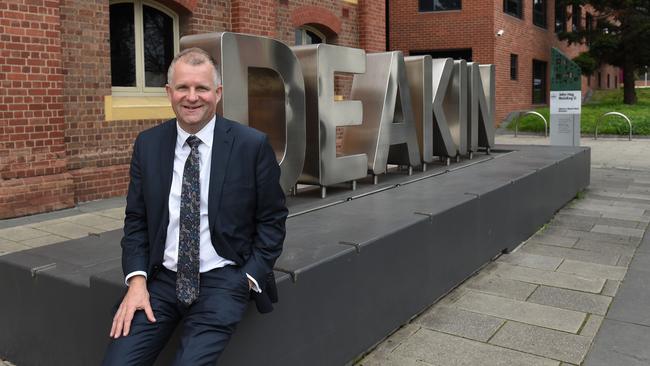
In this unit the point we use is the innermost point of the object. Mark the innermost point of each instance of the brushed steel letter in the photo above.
(455, 106)
(388, 133)
(319, 62)
(262, 87)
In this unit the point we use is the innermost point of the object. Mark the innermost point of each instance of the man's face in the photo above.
(193, 95)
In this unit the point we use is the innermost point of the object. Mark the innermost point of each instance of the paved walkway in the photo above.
(543, 304)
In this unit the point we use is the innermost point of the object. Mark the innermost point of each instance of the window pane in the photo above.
(447, 4)
(313, 38)
(122, 34)
(576, 17)
(514, 64)
(158, 45)
(426, 5)
(512, 7)
(539, 82)
(560, 17)
(539, 13)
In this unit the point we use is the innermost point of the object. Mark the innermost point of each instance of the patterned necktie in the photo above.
(187, 277)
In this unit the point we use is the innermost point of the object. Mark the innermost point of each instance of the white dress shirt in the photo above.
(209, 259)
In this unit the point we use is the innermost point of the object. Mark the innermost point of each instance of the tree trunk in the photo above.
(629, 92)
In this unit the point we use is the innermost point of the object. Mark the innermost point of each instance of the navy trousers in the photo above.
(206, 325)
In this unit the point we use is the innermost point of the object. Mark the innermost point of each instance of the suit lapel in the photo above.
(221, 148)
(167, 165)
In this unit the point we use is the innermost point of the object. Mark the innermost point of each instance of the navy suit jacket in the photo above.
(246, 205)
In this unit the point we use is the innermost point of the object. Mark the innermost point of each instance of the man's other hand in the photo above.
(136, 298)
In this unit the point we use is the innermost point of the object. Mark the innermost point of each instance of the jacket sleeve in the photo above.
(135, 242)
(270, 215)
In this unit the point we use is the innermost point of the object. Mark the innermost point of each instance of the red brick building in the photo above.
(514, 35)
(80, 78)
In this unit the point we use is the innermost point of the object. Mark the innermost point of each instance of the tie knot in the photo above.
(193, 141)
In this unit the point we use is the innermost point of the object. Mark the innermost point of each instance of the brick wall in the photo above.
(475, 27)
(33, 175)
(56, 148)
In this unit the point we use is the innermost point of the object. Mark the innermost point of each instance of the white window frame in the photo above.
(140, 89)
(303, 34)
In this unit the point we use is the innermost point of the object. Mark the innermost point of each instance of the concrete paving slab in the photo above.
(114, 213)
(548, 239)
(616, 230)
(19, 233)
(402, 334)
(549, 278)
(109, 224)
(582, 212)
(459, 322)
(640, 218)
(591, 326)
(571, 300)
(524, 312)
(391, 360)
(621, 344)
(505, 287)
(570, 224)
(603, 207)
(631, 302)
(11, 247)
(531, 260)
(570, 253)
(542, 342)
(624, 261)
(611, 288)
(88, 219)
(442, 349)
(592, 270)
(69, 230)
(604, 247)
(43, 240)
(633, 224)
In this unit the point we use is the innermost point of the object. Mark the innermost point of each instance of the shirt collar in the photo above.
(206, 134)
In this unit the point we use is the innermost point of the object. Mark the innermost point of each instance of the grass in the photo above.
(603, 101)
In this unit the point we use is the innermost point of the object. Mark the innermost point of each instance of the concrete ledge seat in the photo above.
(350, 273)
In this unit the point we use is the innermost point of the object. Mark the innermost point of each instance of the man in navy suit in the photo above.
(205, 222)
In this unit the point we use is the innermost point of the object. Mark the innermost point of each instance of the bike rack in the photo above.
(526, 113)
(629, 123)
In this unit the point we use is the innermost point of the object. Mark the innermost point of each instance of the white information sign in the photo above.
(565, 109)
(566, 102)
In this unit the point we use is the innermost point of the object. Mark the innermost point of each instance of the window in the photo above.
(309, 35)
(514, 66)
(615, 81)
(560, 17)
(513, 7)
(439, 5)
(539, 13)
(608, 84)
(589, 80)
(144, 39)
(576, 17)
(539, 82)
(600, 84)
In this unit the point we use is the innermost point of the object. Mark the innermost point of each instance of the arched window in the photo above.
(309, 35)
(144, 40)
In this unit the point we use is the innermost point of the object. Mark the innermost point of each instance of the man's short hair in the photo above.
(194, 56)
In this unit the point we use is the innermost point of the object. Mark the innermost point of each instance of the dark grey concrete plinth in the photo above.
(350, 273)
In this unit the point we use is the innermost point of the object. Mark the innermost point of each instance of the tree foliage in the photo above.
(619, 36)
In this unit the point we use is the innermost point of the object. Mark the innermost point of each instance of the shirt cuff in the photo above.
(134, 273)
(256, 287)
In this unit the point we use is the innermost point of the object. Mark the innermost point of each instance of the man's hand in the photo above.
(136, 298)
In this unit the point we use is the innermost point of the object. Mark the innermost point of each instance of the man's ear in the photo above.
(168, 90)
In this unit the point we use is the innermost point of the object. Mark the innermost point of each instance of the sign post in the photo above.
(565, 101)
